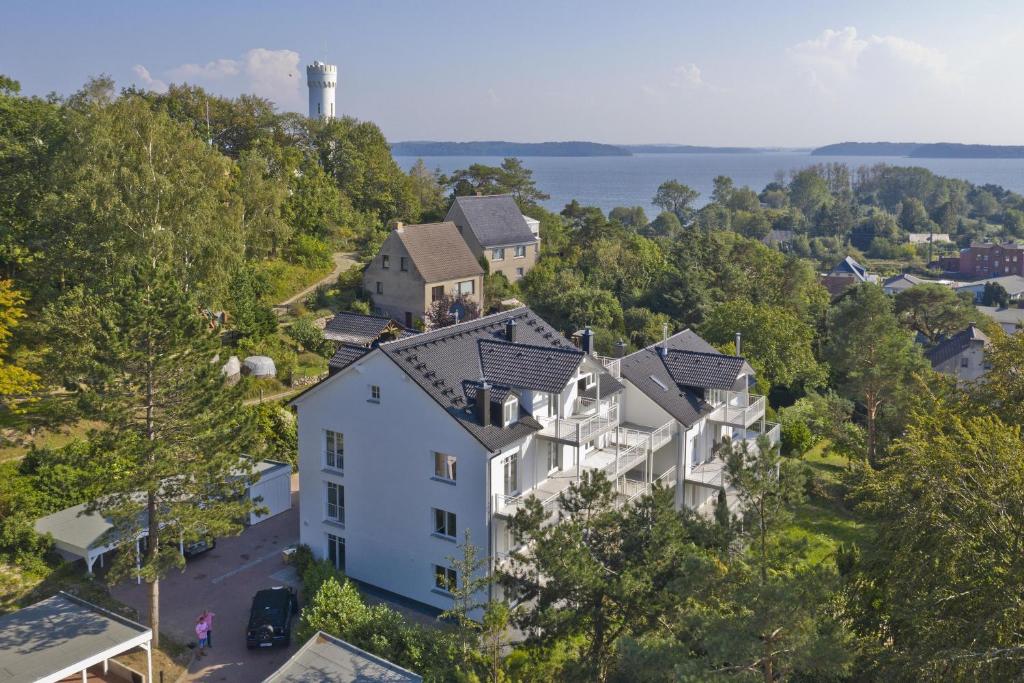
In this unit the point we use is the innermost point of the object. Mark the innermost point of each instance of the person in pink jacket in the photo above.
(208, 616)
(201, 632)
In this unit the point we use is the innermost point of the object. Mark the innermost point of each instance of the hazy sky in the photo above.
(623, 71)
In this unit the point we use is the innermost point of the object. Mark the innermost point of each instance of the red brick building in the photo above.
(992, 260)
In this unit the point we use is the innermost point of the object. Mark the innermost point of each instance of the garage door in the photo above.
(275, 490)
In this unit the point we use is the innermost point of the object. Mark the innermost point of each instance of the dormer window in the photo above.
(510, 411)
(585, 382)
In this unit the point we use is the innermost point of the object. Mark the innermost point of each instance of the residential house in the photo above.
(1013, 284)
(992, 260)
(495, 229)
(419, 264)
(1010, 319)
(926, 237)
(905, 281)
(962, 355)
(846, 273)
(356, 334)
(425, 438)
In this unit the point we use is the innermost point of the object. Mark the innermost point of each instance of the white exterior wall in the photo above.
(637, 408)
(389, 489)
(322, 80)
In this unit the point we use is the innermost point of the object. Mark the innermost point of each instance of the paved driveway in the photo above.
(224, 580)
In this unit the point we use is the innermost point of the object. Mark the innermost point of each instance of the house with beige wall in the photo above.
(419, 264)
(495, 229)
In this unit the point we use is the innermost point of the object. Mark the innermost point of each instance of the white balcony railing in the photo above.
(589, 420)
(736, 408)
(612, 365)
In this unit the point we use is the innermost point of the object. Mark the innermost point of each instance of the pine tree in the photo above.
(173, 469)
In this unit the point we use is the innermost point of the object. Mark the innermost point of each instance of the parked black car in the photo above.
(199, 547)
(270, 620)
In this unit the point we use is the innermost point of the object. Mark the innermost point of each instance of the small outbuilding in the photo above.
(65, 636)
(326, 658)
(272, 490)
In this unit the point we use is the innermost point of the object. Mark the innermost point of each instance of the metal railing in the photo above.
(737, 409)
(584, 427)
(612, 365)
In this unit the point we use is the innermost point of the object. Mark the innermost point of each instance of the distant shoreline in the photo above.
(496, 148)
(576, 148)
(918, 150)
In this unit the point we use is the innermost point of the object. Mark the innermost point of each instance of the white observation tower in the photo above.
(321, 79)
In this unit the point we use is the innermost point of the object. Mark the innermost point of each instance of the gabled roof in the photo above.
(325, 658)
(438, 251)
(444, 360)
(1013, 284)
(955, 345)
(356, 328)
(538, 368)
(1007, 317)
(495, 220)
(850, 266)
(703, 370)
(651, 374)
(345, 355)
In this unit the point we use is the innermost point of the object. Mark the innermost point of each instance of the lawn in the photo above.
(285, 279)
(824, 523)
(41, 423)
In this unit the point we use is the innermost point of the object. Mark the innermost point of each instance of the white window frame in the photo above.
(445, 523)
(519, 251)
(498, 254)
(385, 262)
(552, 457)
(445, 466)
(445, 578)
(337, 545)
(510, 466)
(472, 288)
(334, 450)
(510, 411)
(520, 272)
(338, 505)
(374, 393)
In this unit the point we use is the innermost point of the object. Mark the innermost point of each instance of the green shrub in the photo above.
(309, 252)
(310, 337)
(796, 437)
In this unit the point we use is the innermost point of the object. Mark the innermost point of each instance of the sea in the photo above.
(607, 182)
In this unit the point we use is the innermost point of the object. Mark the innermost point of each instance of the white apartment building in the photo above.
(411, 442)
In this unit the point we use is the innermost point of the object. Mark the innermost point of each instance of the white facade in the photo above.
(322, 80)
(391, 430)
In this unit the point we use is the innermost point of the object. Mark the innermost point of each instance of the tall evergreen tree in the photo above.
(172, 471)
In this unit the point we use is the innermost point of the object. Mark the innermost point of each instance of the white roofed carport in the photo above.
(63, 636)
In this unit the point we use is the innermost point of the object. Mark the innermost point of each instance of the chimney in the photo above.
(587, 341)
(662, 351)
(510, 330)
(483, 402)
(739, 344)
(620, 349)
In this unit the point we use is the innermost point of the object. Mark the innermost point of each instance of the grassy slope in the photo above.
(822, 522)
(287, 279)
(45, 417)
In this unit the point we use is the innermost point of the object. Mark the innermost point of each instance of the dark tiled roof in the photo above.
(495, 220)
(345, 355)
(356, 328)
(538, 368)
(850, 265)
(498, 393)
(648, 372)
(703, 370)
(955, 345)
(443, 360)
(439, 251)
(609, 385)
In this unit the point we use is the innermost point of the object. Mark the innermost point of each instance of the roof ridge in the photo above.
(519, 345)
(457, 328)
